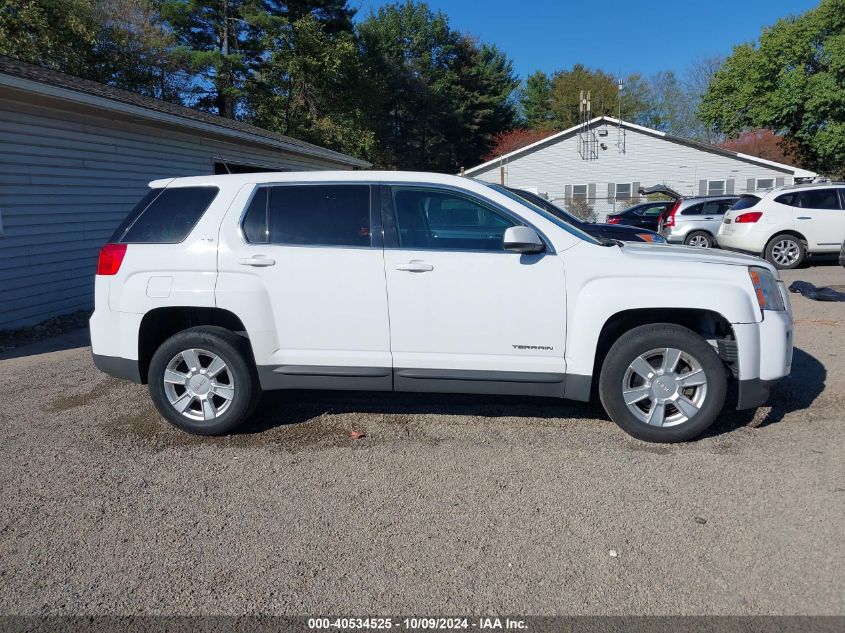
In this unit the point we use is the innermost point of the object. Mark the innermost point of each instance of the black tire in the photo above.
(779, 240)
(704, 235)
(233, 350)
(647, 338)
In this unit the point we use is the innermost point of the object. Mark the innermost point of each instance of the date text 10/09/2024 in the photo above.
(418, 623)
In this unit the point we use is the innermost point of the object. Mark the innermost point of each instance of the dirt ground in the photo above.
(447, 504)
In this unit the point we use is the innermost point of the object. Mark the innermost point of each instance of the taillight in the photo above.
(669, 219)
(612, 220)
(748, 218)
(111, 257)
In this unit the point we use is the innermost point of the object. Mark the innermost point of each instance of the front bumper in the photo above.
(764, 356)
(754, 392)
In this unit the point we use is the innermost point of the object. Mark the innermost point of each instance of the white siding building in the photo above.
(76, 155)
(606, 163)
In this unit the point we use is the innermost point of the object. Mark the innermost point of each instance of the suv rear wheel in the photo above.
(785, 251)
(700, 239)
(662, 383)
(202, 380)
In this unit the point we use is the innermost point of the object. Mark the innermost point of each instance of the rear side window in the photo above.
(818, 199)
(693, 210)
(317, 215)
(165, 216)
(745, 202)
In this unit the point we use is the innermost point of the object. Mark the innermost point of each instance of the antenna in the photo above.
(223, 162)
(587, 140)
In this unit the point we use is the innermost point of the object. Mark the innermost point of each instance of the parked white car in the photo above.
(215, 288)
(786, 224)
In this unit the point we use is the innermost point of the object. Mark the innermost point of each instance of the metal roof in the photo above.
(24, 76)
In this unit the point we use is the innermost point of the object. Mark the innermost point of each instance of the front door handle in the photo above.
(415, 266)
(709, 218)
(257, 260)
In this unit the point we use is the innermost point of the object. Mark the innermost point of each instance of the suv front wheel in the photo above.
(203, 380)
(662, 383)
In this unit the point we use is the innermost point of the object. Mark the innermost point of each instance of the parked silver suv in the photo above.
(695, 221)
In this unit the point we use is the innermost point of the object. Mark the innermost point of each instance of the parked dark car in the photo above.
(645, 215)
(601, 231)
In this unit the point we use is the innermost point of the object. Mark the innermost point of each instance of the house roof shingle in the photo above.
(23, 70)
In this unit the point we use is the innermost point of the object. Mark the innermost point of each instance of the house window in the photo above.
(579, 192)
(623, 191)
(715, 187)
(765, 183)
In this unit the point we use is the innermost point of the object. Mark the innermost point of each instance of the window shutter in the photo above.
(635, 190)
(568, 194)
(702, 187)
(779, 182)
(611, 191)
(751, 185)
(730, 186)
(591, 192)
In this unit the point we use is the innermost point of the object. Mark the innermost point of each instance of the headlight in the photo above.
(766, 289)
(652, 238)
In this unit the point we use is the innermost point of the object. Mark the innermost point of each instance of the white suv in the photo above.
(787, 223)
(215, 288)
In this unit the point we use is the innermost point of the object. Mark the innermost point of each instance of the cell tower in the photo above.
(620, 131)
(588, 142)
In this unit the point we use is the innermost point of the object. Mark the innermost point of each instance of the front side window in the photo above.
(309, 215)
(165, 216)
(579, 192)
(818, 199)
(443, 220)
(715, 187)
(623, 191)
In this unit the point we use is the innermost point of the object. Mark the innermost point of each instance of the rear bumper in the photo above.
(123, 368)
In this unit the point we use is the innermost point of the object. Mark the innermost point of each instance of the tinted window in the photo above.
(165, 216)
(654, 210)
(818, 199)
(255, 218)
(693, 210)
(716, 207)
(745, 202)
(320, 215)
(428, 218)
(788, 199)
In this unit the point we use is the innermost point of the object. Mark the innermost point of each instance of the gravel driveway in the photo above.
(448, 504)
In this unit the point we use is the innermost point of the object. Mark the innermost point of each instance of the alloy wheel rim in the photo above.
(199, 385)
(699, 241)
(785, 252)
(664, 387)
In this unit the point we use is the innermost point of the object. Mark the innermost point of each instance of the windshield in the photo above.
(559, 220)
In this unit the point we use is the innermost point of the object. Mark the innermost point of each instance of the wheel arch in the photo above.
(160, 324)
(709, 324)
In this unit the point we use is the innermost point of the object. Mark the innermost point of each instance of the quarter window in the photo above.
(165, 216)
(715, 187)
(309, 215)
(433, 219)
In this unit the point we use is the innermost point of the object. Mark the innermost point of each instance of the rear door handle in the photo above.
(804, 217)
(415, 266)
(257, 260)
(709, 218)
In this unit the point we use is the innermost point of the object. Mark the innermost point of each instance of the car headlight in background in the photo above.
(651, 238)
(766, 288)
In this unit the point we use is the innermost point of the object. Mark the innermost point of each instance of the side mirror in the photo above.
(522, 239)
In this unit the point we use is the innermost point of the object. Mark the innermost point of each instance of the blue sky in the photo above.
(620, 37)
